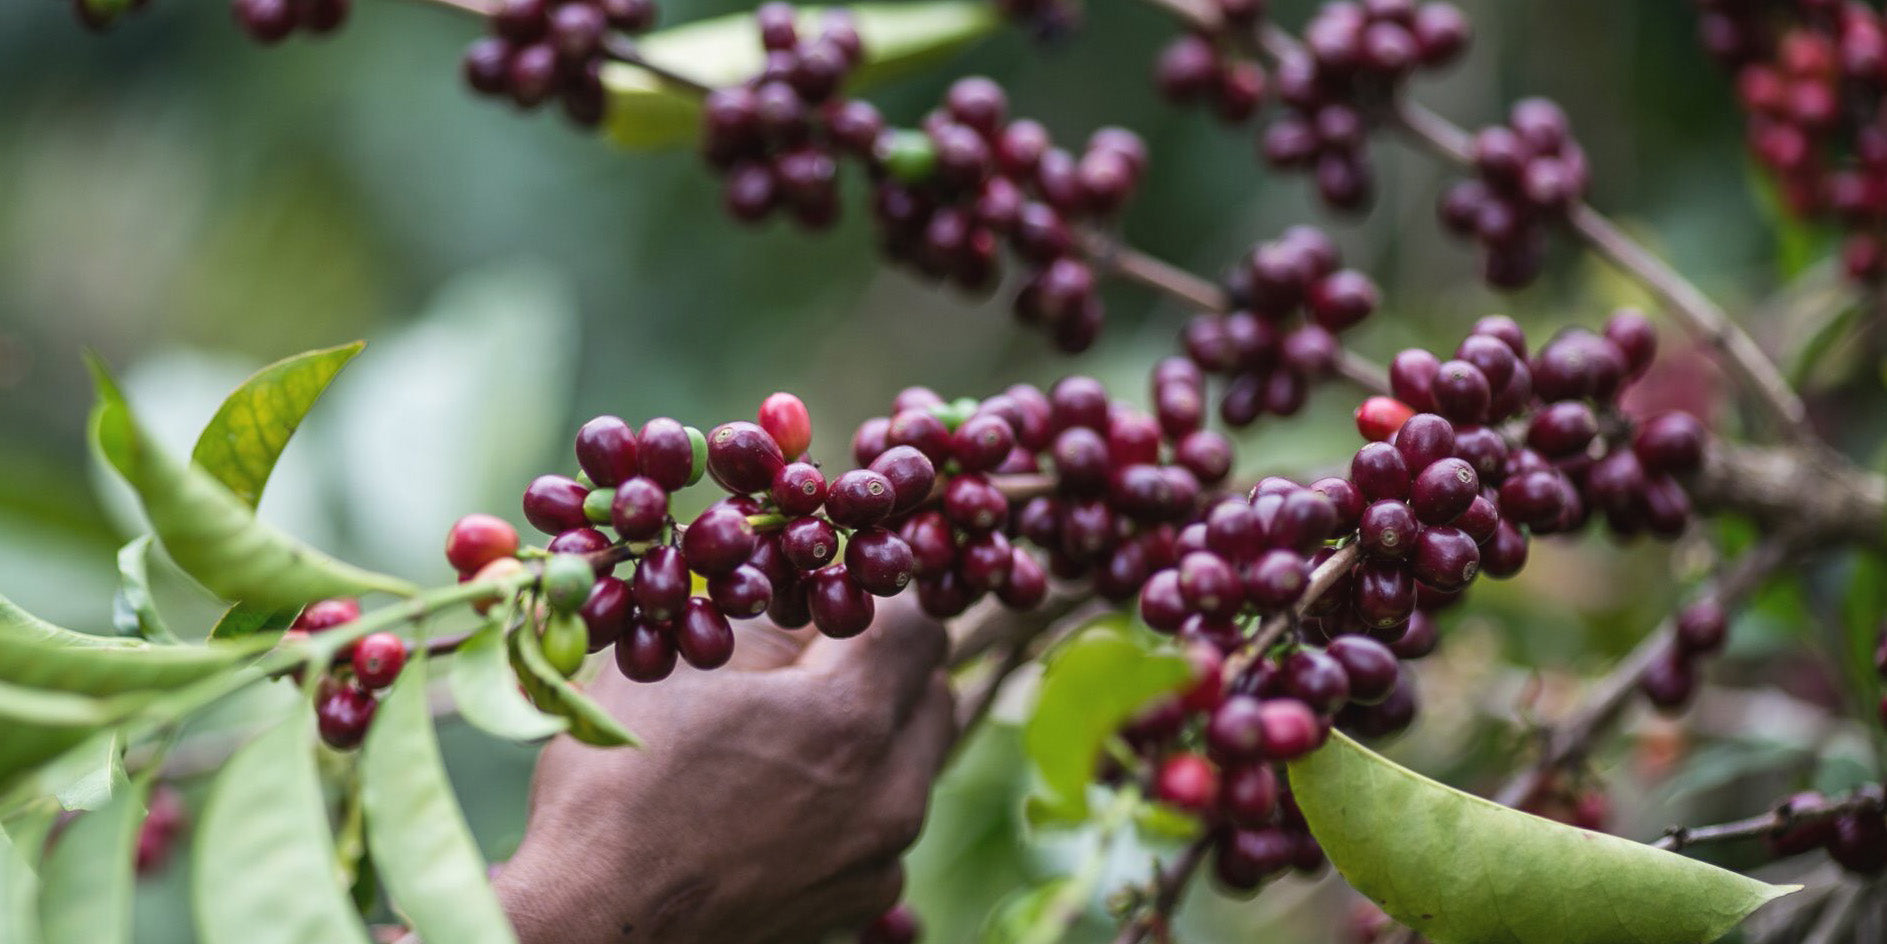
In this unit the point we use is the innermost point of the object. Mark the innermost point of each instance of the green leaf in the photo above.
(20, 842)
(589, 722)
(244, 620)
(245, 437)
(486, 690)
(1089, 687)
(263, 868)
(87, 879)
(41, 725)
(133, 612)
(1032, 915)
(899, 38)
(1864, 618)
(415, 830)
(37, 654)
(1461, 870)
(86, 777)
(209, 531)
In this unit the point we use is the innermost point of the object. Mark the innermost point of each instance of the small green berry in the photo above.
(567, 582)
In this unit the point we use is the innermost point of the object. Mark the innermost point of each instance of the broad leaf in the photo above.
(20, 842)
(263, 869)
(133, 612)
(41, 725)
(645, 112)
(486, 690)
(1037, 915)
(210, 532)
(1461, 870)
(86, 881)
(37, 654)
(86, 777)
(415, 830)
(589, 722)
(245, 437)
(1089, 687)
(244, 620)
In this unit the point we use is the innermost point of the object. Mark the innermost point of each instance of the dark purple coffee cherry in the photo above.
(860, 498)
(840, 608)
(1345, 498)
(639, 510)
(1380, 472)
(1316, 679)
(879, 561)
(534, 74)
(343, 714)
(553, 504)
(1371, 667)
(606, 612)
(1505, 554)
(1342, 299)
(1424, 439)
(1479, 520)
(576, 30)
(1412, 378)
(718, 541)
(661, 584)
(809, 543)
(1670, 680)
(911, 474)
(743, 458)
(1419, 639)
(1027, 585)
(1444, 490)
(1491, 356)
(1244, 858)
(703, 636)
(1276, 580)
(1702, 627)
(799, 489)
(1670, 443)
(972, 503)
(741, 593)
(1859, 841)
(1445, 558)
(1562, 429)
(1536, 499)
(1462, 393)
(1162, 605)
(1248, 793)
(1388, 529)
(982, 443)
(1209, 585)
(645, 654)
(1385, 594)
(1235, 734)
(580, 541)
(666, 453)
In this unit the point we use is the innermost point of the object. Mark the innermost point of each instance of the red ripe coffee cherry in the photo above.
(972, 503)
(860, 498)
(1446, 558)
(784, 417)
(743, 458)
(840, 608)
(378, 659)
(661, 584)
(666, 453)
(1248, 794)
(478, 539)
(702, 636)
(1291, 729)
(1189, 782)
(343, 713)
(606, 447)
(1673, 442)
(799, 489)
(880, 561)
(1235, 734)
(921, 430)
(639, 510)
(911, 473)
(554, 504)
(1444, 490)
(327, 614)
(645, 653)
(897, 926)
(1378, 418)
(718, 541)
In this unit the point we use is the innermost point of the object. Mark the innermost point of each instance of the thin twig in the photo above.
(1110, 254)
(1321, 580)
(1779, 820)
(1572, 739)
(1168, 885)
(624, 50)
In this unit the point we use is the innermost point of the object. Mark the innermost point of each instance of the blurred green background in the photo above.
(192, 206)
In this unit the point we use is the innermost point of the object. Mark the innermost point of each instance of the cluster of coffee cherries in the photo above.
(1527, 172)
(1291, 300)
(984, 177)
(1353, 57)
(271, 21)
(345, 698)
(776, 140)
(1207, 67)
(1810, 77)
(541, 50)
(1856, 838)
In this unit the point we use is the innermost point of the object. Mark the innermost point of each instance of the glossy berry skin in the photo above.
(478, 539)
(1424, 440)
(1673, 442)
(1388, 529)
(982, 443)
(1445, 558)
(718, 541)
(1444, 490)
(743, 458)
(1370, 666)
(972, 503)
(742, 593)
(666, 453)
(1380, 472)
(342, 715)
(1316, 679)
(378, 659)
(785, 418)
(860, 498)
(1235, 734)
(1461, 392)
(809, 543)
(1027, 585)
(880, 561)
(1562, 429)
(1291, 730)
(661, 584)
(645, 654)
(703, 636)
(911, 473)
(840, 608)
(606, 447)
(554, 504)
(1187, 781)
(1246, 857)
(1248, 794)
(606, 613)
(799, 489)
(327, 614)
(1859, 842)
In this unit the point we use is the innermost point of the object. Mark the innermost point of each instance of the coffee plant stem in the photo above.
(1167, 885)
(623, 49)
(1569, 742)
(1777, 820)
(1321, 580)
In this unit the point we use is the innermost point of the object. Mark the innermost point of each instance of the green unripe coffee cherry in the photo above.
(567, 582)
(907, 154)
(700, 444)
(566, 641)
(597, 503)
(954, 413)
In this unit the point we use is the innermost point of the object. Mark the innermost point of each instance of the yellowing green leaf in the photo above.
(209, 531)
(645, 112)
(421, 847)
(245, 437)
(1462, 870)
(486, 691)
(263, 864)
(1089, 687)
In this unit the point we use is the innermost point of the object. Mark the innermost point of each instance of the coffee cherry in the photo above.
(741, 593)
(809, 543)
(785, 419)
(1188, 782)
(378, 658)
(1670, 681)
(703, 636)
(1859, 843)
(1380, 472)
(1462, 393)
(1291, 730)
(972, 503)
(1412, 378)
(326, 614)
(840, 608)
(661, 584)
(1244, 858)
(1444, 490)
(1445, 558)
(897, 926)
(554, 504)
(743, 458)
(478, 539)
(1316, 679)
(342, 714)
(1370, 666)
(1673, 442)
(911, 474)
(1385, 594)
(881, 562)
(1378, 418)
(1342, 299)
(1424, 440)
(639, 510)
(1248, 794)
(1235, 733)
(581, 541)
(265, 21)
(1702, 626)
(666, 453)
(606, 613)
(1027, 585)
(567, 581)
(860, 498)
(1562, 429)
(718, 541)
(982, 443)
(645, 653)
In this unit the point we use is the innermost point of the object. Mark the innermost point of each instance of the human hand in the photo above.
(770, 803)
